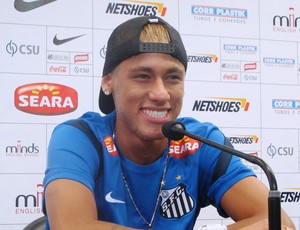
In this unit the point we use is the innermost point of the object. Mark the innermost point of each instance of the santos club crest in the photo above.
(176, 202)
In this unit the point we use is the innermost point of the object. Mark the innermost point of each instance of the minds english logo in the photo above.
(46, 99)
(24, 6)
(286, 23)
(30, 203)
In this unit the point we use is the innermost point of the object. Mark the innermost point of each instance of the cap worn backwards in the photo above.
(124, 42)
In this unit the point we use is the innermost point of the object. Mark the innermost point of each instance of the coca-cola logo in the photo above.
(231, 77)
(58, 69)
(46, 99)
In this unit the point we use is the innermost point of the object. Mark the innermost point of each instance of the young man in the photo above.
(146, 181)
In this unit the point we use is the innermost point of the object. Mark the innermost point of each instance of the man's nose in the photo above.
(159, 91)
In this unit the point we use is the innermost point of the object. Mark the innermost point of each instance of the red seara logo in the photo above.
(46, 99)
(81, 58)
(110, 146)
(183, 147)
(250, 66)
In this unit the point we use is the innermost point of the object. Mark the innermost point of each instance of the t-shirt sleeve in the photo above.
(235, 171)
(71, 155)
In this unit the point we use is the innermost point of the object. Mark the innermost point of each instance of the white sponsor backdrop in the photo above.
(243, 75)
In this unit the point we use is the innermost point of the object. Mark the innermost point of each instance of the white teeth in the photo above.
(155, 114)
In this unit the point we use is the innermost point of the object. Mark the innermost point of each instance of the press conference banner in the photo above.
(243, 75)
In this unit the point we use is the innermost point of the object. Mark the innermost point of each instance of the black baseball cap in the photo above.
(124, 42)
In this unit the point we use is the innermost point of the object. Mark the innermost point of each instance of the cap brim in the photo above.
(106, 102)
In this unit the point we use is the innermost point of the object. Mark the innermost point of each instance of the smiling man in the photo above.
(146, 181)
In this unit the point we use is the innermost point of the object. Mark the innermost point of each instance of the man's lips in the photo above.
(157, 114)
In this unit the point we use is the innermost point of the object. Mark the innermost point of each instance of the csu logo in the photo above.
(12, 48)
(46, 99)
(281, 151)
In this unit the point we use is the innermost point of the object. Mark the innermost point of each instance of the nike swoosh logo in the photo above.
(22, 6)
(109, 199)
(58, 42)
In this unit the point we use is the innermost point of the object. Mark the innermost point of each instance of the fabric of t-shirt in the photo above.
(187, 181)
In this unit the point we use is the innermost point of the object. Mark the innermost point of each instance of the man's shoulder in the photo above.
(198, 127)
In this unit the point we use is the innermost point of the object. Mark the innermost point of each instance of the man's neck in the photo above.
(140, 151)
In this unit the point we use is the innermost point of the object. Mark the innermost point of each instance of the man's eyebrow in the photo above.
(174, 70)
(150, 70)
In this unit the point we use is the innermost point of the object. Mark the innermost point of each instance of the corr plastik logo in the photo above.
(137, 8)
(245, 48)
(219, 14)
(222, 104)
(279, 62)
(286, 106)
(46, 99)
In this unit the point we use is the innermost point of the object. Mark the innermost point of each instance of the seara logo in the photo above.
(46, 99)
(137, 8)
(110, 146)
(184, 147)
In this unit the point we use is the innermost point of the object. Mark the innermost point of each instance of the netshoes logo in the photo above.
(203, 58)
(183, 147)
(243, 139)
(222, 104)
(291, 196)
(136, 7)
(46, 99)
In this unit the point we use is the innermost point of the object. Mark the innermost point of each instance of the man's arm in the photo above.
(71, 205)
(247, 204)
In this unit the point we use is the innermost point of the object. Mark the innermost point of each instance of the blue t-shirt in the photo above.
(187, 181)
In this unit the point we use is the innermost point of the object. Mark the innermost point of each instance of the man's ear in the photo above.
(106, 82)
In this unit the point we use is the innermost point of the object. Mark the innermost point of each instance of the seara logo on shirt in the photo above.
(110, 146)
(46, 99)
(184, 147)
